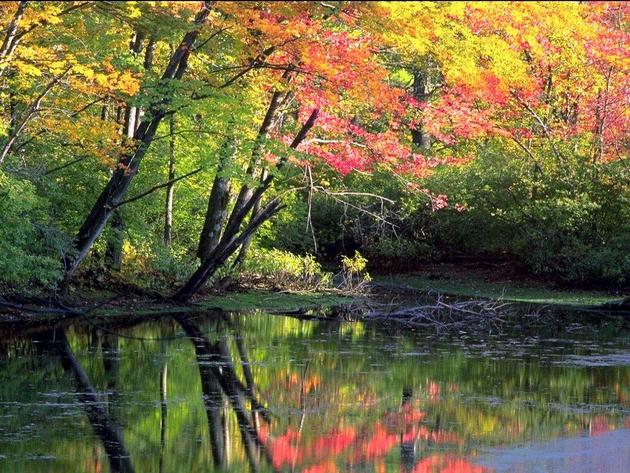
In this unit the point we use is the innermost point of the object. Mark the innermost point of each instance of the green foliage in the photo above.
(30, 246)
(284, 269)
(569, 220)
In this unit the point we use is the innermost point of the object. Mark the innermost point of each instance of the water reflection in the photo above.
(105, 427)
(227, 393)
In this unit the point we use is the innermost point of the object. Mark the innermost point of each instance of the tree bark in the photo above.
(216, 214)
(113, 252)
(247, 190)
(242, 254)
(130, 160)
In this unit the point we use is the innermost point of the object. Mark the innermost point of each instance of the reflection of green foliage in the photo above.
(485, 392)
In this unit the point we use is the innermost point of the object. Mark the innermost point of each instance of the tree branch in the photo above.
(32, 110)
(154, 188)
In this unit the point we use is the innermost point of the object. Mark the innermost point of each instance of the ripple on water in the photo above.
(612, 359)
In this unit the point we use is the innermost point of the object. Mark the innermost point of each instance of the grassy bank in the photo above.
(472, 285)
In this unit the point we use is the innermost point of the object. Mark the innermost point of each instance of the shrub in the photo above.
(285, 269)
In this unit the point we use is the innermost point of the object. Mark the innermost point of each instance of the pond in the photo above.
(224, 392)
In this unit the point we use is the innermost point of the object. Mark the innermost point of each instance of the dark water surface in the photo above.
(270, 393)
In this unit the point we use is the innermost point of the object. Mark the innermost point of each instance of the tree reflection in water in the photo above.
(329, 411)
(368, 444)
(104, 426)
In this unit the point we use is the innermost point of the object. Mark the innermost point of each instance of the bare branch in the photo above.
(32, 110)
(542, 124)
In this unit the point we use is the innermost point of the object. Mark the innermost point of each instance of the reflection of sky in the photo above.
(608, 452)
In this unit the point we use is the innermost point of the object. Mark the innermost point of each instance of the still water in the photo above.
(269, 393)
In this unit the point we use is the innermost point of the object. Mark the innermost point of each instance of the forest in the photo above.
(175, 148)
(314, 237)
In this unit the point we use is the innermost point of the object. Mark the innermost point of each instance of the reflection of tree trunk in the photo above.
(111, 361)
(215, 366)
(102, 424)
(407, 449)
(213, 400)
(163, 413)
(249, 377)
(226, 430)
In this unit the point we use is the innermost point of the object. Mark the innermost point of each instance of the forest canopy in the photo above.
(169, 144)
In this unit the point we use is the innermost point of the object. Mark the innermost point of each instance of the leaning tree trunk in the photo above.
(242, 254)
(129, 162)
(216, 214)
(233, 237)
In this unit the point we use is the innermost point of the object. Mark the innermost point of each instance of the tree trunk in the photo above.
(242, 254)
(277, 101)
(113, 253)
(421, 90)
(130, 160)
(170, 189)
(231, 239)
(246, 190)
(10, 38)
(216, 214)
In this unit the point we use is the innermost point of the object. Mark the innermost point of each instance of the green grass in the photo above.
(472, 287)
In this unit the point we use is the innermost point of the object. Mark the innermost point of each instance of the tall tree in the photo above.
(130, 160)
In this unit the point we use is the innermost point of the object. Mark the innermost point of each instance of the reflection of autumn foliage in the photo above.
(291, 380)
(371, 442)
(445, 463)
(599, 425)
